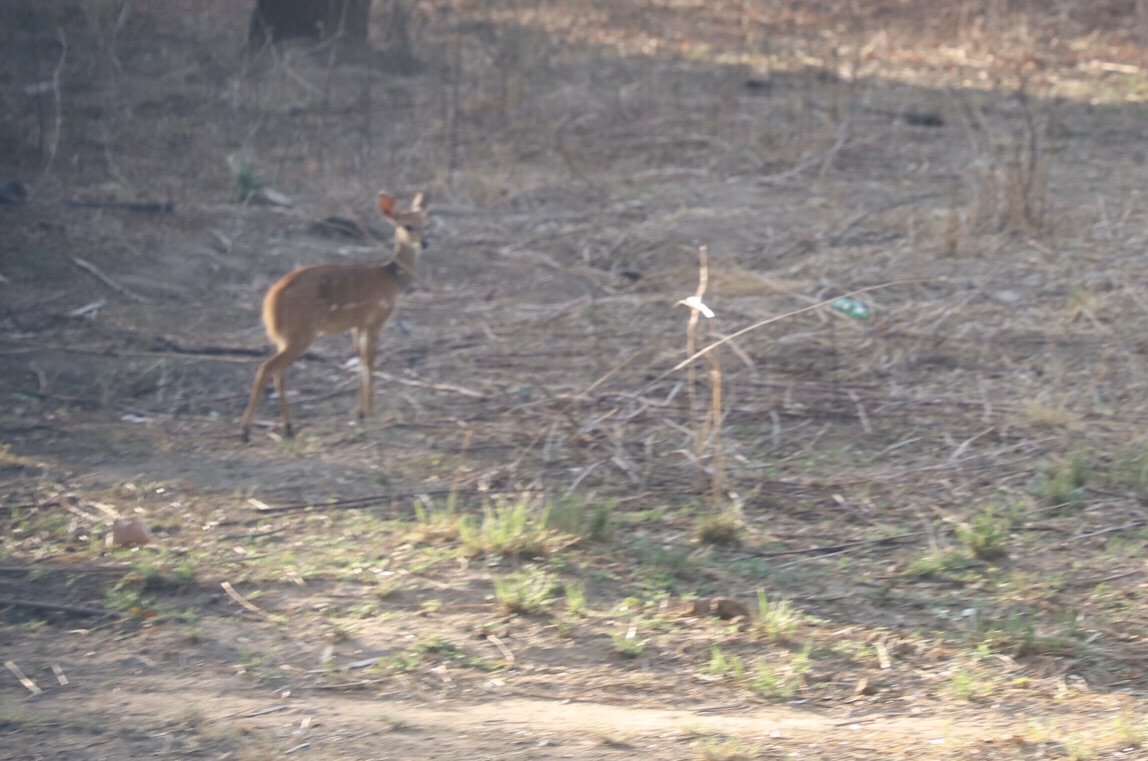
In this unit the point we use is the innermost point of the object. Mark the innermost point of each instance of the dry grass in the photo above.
(974, 156)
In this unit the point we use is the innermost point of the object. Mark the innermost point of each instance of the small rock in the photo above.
(130, 533)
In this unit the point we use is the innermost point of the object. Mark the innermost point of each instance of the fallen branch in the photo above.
(434, 386)
(1110, 530)
(569, 405)
(17, 569)
(223, 355)
(832, 547)
(78, 610)
(861, 216)
(502, 648)
(28, 683)
(86, 265)
(1108, 579)
(347, 685)
(148, 207)
(799, 561)
(168, 344)
(243, 602)
(354, 503)
(820, 157)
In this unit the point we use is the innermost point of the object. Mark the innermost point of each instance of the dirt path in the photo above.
(323, 725)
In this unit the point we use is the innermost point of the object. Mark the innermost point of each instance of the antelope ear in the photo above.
(387, 205)
(417, 204)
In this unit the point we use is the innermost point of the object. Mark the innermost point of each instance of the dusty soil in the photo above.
(942, 501)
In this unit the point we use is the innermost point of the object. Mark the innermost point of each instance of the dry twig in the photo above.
(243, 602)
(78, 610)
(86, 265)
(29, 685)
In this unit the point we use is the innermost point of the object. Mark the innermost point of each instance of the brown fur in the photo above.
(325, 299)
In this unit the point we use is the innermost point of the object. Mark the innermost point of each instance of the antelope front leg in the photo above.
(365, 339)
(369, 373)
(284, 409)
(275, 367)
(253, 402)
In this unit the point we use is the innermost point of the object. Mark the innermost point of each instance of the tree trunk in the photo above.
(275, 20)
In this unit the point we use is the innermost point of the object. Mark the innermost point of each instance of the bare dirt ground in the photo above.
(934, 512)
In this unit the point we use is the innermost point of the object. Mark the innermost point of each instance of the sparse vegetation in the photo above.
(1013, 180)
(938, 561)
(769, 677)
(721, 665)
(777, 619)
(435, 522)
(515, 527)
(729, 749)
(970, 685)
(721, 528)
(1129, 471)
(1064, 486)
(627, 643)
(575, 597)
(986, 535)
(247, 182)
(525, 593)
(601, 528)
(784, 680)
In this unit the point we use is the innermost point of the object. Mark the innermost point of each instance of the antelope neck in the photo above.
(404, 267)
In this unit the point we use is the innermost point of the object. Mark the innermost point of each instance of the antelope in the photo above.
(326, 299)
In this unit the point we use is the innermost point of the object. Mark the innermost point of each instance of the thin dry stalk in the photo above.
(452, 99)
(107, 18)
(58, 116)
(707, 432)
(569, 405)
(1013, 179)
(336, 39)
(691, 369)
(793, 313)
(1026, 177)
(459, 470)
(951, 242)
(716, 416)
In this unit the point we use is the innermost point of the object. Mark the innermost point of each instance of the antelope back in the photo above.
(328, 299)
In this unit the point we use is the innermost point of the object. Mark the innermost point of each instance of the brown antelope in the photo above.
(325, 299)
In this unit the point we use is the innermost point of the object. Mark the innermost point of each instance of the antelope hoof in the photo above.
(288, 431)
(245, 434)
